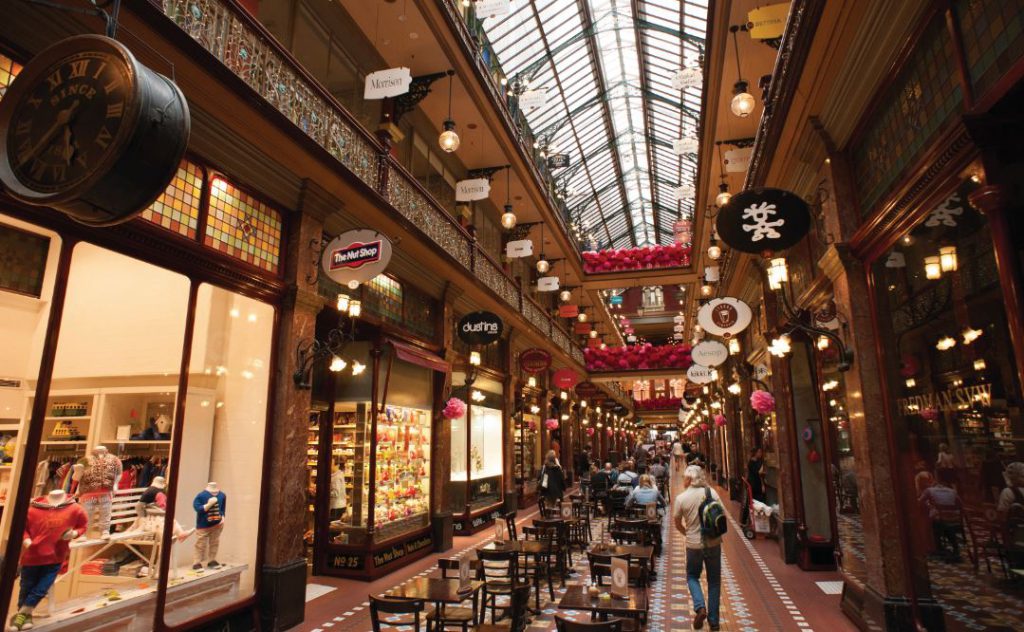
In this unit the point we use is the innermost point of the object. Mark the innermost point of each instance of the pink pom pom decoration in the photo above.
(720, 420)
(590, 432)
(762, 402)
(551, 424)
(454, 409)
(703, 427)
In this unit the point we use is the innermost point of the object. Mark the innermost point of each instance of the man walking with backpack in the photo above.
(699, 515)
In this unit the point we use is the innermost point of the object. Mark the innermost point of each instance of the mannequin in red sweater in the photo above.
(53, 521)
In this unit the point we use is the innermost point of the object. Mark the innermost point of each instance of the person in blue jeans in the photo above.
(701, 554)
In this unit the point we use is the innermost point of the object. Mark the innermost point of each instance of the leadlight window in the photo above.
(9, 69)
(243, 227)
(177, 209)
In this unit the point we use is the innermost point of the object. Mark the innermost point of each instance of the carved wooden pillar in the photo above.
(282, 594)
(442, 436)
(511, 390)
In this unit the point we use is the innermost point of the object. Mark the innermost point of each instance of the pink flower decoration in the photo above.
(590, 432)
(703, 427)
(551, 424)
(720, 420)
(531, 424)
(454, 409)
(762, 402)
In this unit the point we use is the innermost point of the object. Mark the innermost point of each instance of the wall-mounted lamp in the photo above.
(970, 335)
(910, 382)
(534, 408)
(778, 273)
(947, 258)
(822, 343)
(531, 382)
(474, 358)
(932, 268)
(945, 343)
(735, 388)
(734, 346)
(564, 395)
(979, 364)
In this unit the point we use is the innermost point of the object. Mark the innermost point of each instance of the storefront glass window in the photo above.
(218, 483)
(956, 408)
(106, 437)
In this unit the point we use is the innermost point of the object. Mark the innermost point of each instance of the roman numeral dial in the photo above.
(70, 121)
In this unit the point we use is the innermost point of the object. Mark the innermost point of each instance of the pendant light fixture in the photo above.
(449, 140)
(742, 101)
(714, 250)
(566, 294)
(723, 196)
(508, 218)
(543, 265)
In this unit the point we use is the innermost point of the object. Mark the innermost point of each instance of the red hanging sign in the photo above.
(581, 328)
(534, 361)
(568, 311)
(565, 379)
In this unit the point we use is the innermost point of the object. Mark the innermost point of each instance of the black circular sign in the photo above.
(480, 328)
(763, 220)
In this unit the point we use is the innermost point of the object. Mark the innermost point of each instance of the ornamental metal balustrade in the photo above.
(244, 46)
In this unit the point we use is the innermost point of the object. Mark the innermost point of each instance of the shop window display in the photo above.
(956, 406)
(476, 449)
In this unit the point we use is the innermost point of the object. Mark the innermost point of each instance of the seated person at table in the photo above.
(645, 493)
(628, 477)
(1011, 512)
(658, 470)
(603, 480)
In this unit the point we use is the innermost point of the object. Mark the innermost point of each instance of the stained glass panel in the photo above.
(241, 226)
(177, 209)
(22, 261)
(384, 298)
(993, 35)
(8, 71)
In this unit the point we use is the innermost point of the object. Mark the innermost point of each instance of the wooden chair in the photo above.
(518, 613)
(985, 538)
(601, 567)
(459, 616)
(567, 625)
(499, 571)
(563, 541)
(535, 568)
(629, 536)
(510, 526)
(388, 605)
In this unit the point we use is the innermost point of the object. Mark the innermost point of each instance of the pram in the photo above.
(754, 518)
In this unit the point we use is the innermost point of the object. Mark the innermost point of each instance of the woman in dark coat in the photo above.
(552, 492)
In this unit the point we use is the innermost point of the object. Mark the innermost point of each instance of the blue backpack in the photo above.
(713, 523)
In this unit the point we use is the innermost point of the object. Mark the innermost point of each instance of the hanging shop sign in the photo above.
(761, 371)
(558, 161)
(472, 189)
(480, 328)
(700, 374)
(949, 400)
(581, 328)
(547, 284)
(390, 82)
(684, 192)
(534, 361)
(687, 78)
(519, 248)
(492, 8)
(827, 316)
(679, 319)
(724, 317)
(737, 160)
(568, 311)
(615, 300)
(677, 335)
(678, 328)
(631, 338)
(88, 130)
(685, 146)
(589, 391)
(763, 220)
(594, 343)
(356, 256)
(532, 99)
(768, 22)
(709, 353)
(565, 379)
(712, 274)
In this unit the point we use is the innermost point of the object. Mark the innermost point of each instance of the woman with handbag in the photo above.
(552, 481)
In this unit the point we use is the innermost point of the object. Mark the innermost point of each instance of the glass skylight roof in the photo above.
(608, 75)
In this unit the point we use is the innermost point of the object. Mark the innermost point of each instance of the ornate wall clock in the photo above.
(88, 130)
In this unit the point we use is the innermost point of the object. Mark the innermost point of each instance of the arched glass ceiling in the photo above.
(607, 68)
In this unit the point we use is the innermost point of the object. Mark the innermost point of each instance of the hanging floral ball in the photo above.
(703, 427)
(720, 420)
(551, 424)
(762, 402)
(609, 431)
(930, 414)
(590, 432)
(454, 409)
(531, 424)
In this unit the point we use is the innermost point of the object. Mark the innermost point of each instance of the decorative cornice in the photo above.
(317, 202)
(804, 16)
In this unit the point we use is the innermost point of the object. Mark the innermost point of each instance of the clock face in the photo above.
(69, 120)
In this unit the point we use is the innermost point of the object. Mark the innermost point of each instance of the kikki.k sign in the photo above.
(480, 328)
(356, 256)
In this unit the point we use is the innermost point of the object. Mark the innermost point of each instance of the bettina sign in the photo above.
(356, 256)
(724, 317)
(387, 83)
(473, 189)
(949, 400)
(480, 328)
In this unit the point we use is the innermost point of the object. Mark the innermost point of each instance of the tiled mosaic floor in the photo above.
(753, 598)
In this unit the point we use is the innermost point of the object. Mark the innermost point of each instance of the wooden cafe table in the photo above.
(438, 591)
(633, 607)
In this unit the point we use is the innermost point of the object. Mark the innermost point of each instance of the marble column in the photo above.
(282, 593)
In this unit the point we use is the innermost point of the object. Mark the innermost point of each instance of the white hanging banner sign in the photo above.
(685, 146)
(700, 374)
(710, 353)
(677, 336)
(387, 83)
(678, 319)
(737, 160)
(532, 99)
(712, 274)
(519, 248)
(684, 192)
(547, 284)
(687, 78)
(492, 8)
(724, 317)
(678, 328)
(474, 189)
